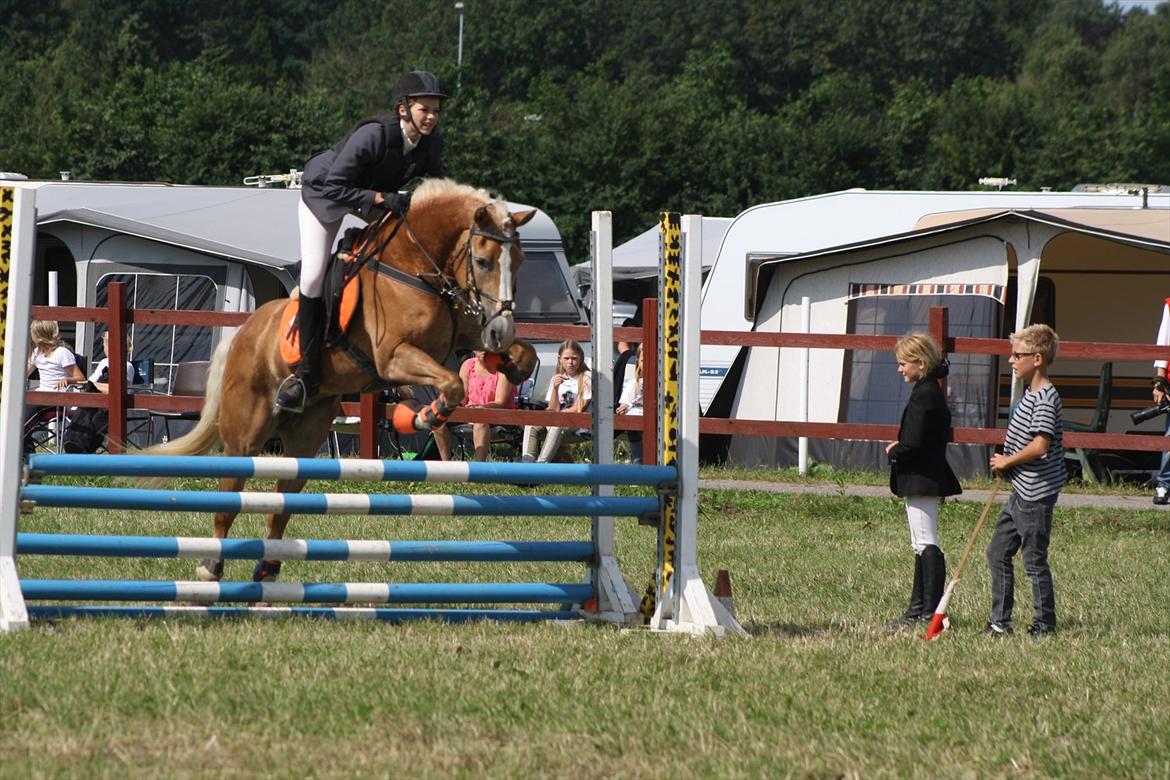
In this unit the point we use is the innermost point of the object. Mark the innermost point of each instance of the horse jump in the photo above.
(682, 603)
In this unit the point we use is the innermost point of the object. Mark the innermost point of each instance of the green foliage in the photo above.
(573, 106)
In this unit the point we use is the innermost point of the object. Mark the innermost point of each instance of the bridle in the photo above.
(459, 299)
(469, 299)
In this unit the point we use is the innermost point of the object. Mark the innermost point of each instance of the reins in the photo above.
(459, 299)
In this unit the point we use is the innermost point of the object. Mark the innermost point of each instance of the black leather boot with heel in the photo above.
(913, 613)
(934, 579)
(296, 390)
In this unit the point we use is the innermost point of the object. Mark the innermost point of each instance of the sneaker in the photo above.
(997, 630)
(1039, 630)
(1162, 495)
(527, 459)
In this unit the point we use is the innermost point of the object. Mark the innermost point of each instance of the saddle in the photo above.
(342, 294)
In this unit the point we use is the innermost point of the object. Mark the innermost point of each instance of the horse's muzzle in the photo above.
(500, 332)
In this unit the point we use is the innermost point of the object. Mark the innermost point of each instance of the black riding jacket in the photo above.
(344, 179)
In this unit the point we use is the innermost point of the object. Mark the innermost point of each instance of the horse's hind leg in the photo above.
(211, 569)
(302, 438)
(266, 570)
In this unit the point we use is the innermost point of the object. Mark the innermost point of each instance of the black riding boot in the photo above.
(295, 391)
(934, 579)
(913, 613)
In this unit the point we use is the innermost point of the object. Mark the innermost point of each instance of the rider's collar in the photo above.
(407, 144)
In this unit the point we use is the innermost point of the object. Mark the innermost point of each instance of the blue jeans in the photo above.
(1163, 475)
(1023, 525)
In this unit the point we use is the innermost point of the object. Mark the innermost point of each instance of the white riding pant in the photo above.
(316, 247)
(922, 517)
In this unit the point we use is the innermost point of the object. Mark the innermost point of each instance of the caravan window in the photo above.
(873, 391)
(542, 292)
(167, 345)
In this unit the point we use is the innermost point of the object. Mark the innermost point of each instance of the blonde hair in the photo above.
(918, 348)
(45, 336)
(106, 343)
(1038, 338)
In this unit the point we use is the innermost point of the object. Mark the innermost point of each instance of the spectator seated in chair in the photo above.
(630, 403)
(88, 429)
(56, 367)
(485, 389)
(568, 391)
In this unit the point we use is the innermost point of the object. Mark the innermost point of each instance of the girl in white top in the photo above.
(568, 391)
(631, 400)
(56, 364)
(102, 383)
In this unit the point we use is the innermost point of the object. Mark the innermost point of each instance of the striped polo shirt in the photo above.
(1039, 411)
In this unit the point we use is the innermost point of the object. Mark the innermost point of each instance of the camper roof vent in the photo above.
(292, 179)
(996, 181)
(11, 176)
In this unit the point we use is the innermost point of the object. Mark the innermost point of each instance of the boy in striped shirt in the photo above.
(1033, 459)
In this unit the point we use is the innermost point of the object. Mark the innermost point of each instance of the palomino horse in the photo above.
(456, 239)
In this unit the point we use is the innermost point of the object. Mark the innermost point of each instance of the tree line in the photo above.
(575, 105)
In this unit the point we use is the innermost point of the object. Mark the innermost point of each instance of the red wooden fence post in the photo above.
(370, 412)
(116, 358)
(938, 331)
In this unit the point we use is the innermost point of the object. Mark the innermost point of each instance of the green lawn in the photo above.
(820, 689)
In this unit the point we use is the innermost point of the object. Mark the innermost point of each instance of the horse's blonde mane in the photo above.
(449, 189)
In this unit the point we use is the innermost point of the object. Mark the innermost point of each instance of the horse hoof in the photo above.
(266, 571)
(209, 570)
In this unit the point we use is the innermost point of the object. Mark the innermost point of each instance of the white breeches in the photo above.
(922, 517)
(316, 246)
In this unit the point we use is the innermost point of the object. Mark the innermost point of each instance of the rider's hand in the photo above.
(398, 202)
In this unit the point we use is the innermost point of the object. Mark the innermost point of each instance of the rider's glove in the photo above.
(398, 202)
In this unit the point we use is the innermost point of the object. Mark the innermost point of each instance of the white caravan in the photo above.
(1097, 280)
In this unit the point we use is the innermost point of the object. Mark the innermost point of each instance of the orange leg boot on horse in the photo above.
(442, 282)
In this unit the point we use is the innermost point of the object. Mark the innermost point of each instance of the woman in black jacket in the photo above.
(919, 471)
(361, 174)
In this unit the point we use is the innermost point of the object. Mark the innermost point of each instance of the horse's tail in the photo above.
(205, 435)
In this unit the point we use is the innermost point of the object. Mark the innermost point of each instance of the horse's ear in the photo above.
(522, 217)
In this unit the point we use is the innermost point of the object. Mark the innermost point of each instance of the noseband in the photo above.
(474, 296)
(469, 299)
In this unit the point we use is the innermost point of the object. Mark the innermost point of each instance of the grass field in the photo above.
(820, 689)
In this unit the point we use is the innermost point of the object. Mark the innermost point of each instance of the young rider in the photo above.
(361, 174)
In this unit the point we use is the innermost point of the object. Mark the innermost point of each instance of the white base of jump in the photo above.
(695, 610)
(13, 614)
(617, 601)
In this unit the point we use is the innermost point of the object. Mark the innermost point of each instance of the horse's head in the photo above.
(473, 246)
(493, 257)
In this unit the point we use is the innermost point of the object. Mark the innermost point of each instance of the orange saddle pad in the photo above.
(290, 339)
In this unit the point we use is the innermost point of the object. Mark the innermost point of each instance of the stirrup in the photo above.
(291, 395)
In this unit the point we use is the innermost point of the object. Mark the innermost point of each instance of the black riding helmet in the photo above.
(417, 83)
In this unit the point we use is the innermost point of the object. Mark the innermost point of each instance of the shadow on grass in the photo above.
(790, 630)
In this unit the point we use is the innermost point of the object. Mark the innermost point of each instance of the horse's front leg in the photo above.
(211, 569)
(412, 366)
(265, 570)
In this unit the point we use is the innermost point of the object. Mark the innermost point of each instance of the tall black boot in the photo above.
(934, 579)
(299, 387)
(913, 613)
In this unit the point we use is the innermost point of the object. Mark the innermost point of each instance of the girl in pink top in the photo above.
(485, 388)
